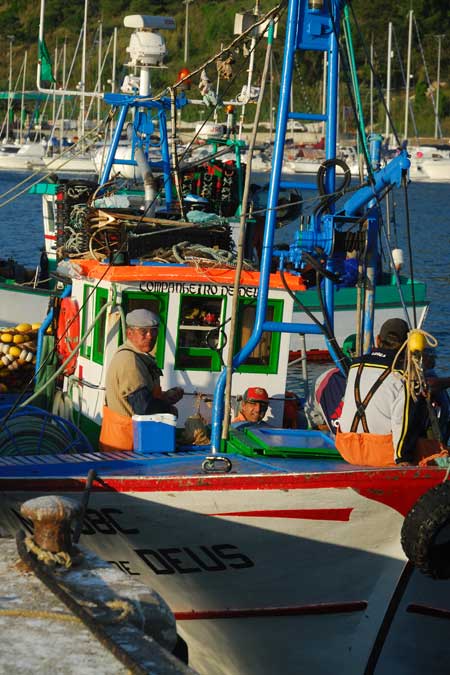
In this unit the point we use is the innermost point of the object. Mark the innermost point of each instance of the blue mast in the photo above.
(311, 25)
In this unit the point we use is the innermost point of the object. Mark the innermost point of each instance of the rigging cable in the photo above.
(410, 256)
(347, 70)
(378, 84)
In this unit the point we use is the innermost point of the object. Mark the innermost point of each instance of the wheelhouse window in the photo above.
(86, 319)
(200, 338)
(154, 302)
(93, 301)
(264, 358)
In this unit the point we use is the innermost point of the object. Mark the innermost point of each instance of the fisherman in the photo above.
(133, 382)
(324, 406)
(253, 408)
(380, 423)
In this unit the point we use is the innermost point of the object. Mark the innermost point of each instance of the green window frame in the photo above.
(86, 349)
(199, 356)
(98, 343)
(267, 361)
(155, 302)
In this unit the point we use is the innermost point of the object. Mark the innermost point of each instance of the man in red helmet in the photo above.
(254, 404)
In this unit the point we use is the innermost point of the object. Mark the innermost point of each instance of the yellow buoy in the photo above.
(3, 388)
(6, 337)
(416, 341)
(23, 327)
(14, 351)
(18, 339)
(35, 326)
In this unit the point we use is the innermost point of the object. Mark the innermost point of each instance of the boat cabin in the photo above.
(195, 306)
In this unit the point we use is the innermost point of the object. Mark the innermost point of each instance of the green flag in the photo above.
(46, 66)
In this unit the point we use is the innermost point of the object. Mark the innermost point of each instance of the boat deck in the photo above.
(162, 464)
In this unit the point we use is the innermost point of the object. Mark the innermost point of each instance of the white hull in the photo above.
(22, 306)
(22, 158)
(82, 164)
(437, 169)
(269, 580)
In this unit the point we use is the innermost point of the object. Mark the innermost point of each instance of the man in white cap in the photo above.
(133, 382)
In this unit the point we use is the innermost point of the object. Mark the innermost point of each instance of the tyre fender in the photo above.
(425, 534)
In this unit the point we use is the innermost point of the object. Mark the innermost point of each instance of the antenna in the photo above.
(147, 49)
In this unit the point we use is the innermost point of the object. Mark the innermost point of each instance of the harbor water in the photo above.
(21, 238)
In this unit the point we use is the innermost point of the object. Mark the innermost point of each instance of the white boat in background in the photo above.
(70, 161)
(25, 157)
(436, 169)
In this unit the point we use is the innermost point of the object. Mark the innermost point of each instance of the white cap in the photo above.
(141, 318)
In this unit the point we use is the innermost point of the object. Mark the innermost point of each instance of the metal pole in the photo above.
(438, 84)
(22, 103)
(388, 81)
(371, 86)
(83, 73)
(186, 30)
(63, 100)
(324, 89)
(99, 74)
(11, 40)
(408, 74)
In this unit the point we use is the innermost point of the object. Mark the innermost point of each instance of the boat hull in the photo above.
(267, 571)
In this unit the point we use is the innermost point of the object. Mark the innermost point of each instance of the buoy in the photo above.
(416, 341)
(23, 327)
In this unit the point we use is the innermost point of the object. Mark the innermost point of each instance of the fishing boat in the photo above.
(274, 554)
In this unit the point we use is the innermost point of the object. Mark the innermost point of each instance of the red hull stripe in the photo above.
(426, 610)
(398, 488)
(342, 515)
(296, 610)
(52, 237)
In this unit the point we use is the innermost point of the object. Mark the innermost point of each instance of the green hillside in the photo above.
(211, 26)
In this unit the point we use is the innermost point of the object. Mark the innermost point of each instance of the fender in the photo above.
(68, 332)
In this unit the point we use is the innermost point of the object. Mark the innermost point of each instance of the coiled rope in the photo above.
(414, 376)
(32, 431)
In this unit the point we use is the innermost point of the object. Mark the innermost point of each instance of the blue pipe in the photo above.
(114, 144)
(165, 156)
(269, 229)
(391, 174)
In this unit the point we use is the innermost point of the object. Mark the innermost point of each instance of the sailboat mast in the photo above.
(22, 101)
(83, 73)
(251, 65)
(438, 85)
(99, 71)
(371, 86)
(388, 81)
(10, 93)
(408, 74)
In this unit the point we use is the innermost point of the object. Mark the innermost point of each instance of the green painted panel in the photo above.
(386, 295)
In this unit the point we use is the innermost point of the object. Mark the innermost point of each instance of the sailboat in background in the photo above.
(427, 161)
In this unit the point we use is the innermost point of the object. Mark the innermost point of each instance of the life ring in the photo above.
(68, 332)
(423, 538)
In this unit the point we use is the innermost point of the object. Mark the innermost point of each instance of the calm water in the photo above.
(21, 238)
